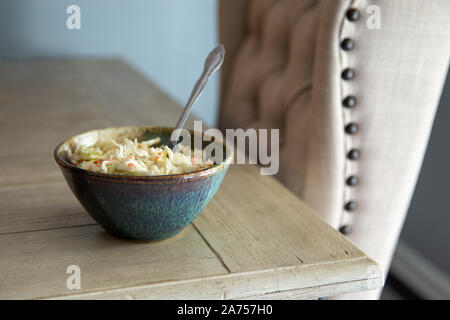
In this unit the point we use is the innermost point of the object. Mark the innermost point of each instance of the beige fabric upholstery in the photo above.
(283, 70)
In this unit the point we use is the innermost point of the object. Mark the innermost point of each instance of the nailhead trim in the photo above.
(351, 128)
(345, 229)
(351, 206)
(348, 74)
(352, 181)
(349, 102)
(348, 44)
(352, 14)
(353, 154)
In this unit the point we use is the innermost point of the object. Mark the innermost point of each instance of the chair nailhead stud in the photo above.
(351, 128)
(349, 102)
(352, 181)
(347, 44)
(353, 154)
(352, 14)
(345, 229)
(351, 206)
(348, 74)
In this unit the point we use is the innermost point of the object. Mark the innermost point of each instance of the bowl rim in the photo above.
(187, 175)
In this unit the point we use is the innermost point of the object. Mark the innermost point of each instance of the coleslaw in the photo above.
(132, 157)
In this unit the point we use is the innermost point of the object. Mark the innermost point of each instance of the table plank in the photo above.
(267, 284)
(255, 239)
(126, 97)
(34, 264)
(251, 231)
(40, 206)
(41, 104)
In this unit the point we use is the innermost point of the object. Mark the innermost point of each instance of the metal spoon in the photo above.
(212, 64)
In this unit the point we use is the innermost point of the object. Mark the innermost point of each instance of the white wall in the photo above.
(167, 40)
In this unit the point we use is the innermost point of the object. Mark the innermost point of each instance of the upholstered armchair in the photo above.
(354, 99)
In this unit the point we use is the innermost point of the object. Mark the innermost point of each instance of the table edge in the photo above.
(289, 280)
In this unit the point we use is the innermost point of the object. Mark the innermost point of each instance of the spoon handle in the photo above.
(212, 64)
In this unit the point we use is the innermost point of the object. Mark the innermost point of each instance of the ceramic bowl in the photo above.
(143, 208)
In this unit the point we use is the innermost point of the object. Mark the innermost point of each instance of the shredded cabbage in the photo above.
(137, 158)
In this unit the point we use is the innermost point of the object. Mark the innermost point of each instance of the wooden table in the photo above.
(254, 240)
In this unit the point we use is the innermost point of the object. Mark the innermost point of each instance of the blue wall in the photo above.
(166, 40)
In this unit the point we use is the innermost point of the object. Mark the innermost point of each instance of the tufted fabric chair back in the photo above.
(354, 98)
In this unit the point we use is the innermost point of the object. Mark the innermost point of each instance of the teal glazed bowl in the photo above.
(142, 208)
